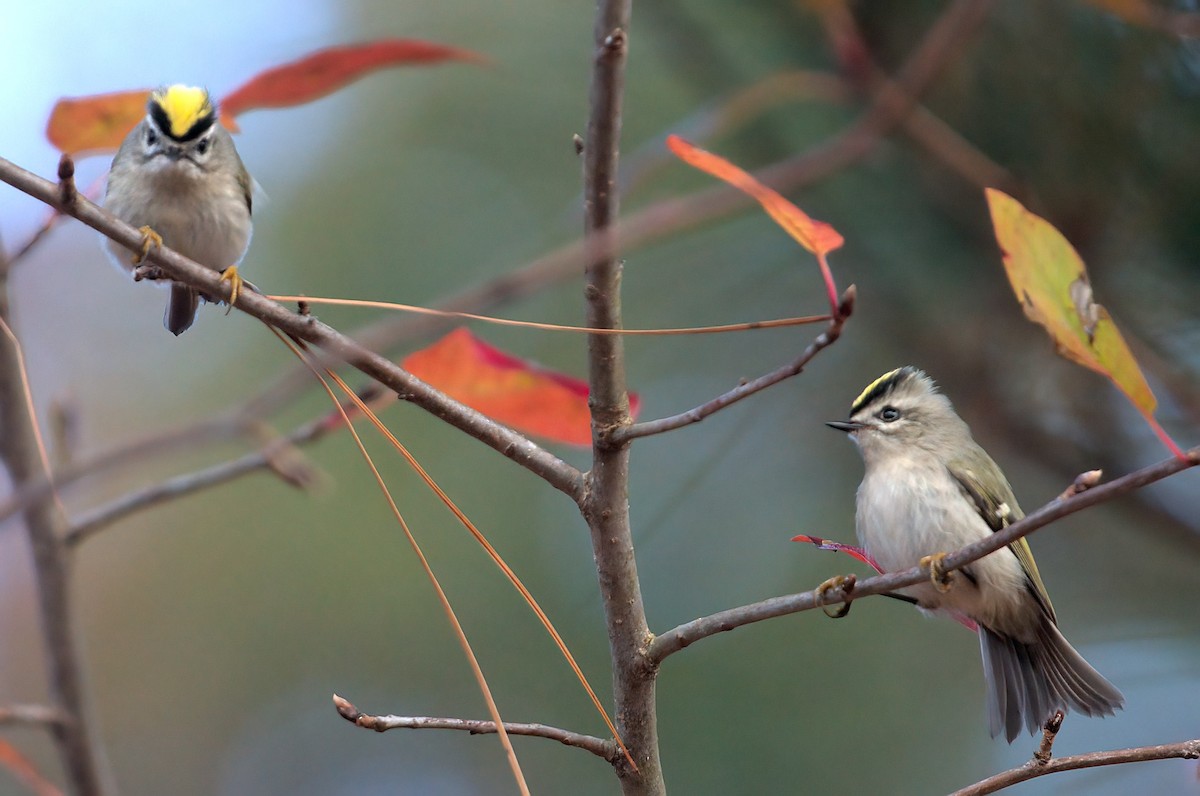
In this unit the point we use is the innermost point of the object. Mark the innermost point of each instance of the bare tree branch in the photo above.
(266, 458)
(603, 748)
(43, 522)
(696, 414)
(32, 714)
(605, 502)
(690, 632)
(516, 447)
(1188, 750)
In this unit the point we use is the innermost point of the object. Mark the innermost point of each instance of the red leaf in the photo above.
(514, 391)
(816, 236)
(325, 71)
(838, 547)
(97, 123)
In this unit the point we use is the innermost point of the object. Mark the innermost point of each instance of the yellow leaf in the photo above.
(1052, 285)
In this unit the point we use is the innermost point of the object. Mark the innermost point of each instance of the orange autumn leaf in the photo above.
(816, 236)
(326, 71)
(513, 391)
(1051, 283)
(97, 123)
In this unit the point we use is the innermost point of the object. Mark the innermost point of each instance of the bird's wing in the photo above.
(999, 509)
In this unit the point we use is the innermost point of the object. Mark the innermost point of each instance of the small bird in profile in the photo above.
(929, 488)
(178, 177)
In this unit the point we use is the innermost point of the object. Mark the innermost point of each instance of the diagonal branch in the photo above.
(214, 429)
(267, 458)
(602, 748)
(690, 632)
(1188, 750)
(696, 414)
(516, 447)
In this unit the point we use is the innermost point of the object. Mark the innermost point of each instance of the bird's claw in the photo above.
(235, 281)
(844, 583)
(938, 576)
(150, 239)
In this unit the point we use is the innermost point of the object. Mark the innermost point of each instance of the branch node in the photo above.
(615, 42)
(148, 271)
(846, 305)
(1083, 482)
(1049, 732)
(346, 709)
(67, 192)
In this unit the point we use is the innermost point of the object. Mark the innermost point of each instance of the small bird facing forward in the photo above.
(929, 489)
(178, 177)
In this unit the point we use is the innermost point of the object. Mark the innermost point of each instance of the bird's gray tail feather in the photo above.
(181, 308)
(1028, 682)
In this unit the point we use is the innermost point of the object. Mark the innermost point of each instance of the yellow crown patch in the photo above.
(184, 107)
(878, 387)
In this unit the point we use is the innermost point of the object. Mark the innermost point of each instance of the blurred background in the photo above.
(216, 628)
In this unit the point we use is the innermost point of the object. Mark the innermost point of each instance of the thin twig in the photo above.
(179, 486)
(215, 429)
(1188, 750)
(745, 390)
(601, 747)
(1050, 730)
(515, 446)
(32, 714)
(690, 632)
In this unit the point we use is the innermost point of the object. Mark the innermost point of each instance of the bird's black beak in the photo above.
(844, 425)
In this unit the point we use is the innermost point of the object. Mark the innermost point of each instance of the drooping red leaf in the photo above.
(325, 71)
(816, 236)
(838, 547)
(514, 391)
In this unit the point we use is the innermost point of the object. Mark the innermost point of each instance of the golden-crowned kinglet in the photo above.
(178, 176)
(930, 489)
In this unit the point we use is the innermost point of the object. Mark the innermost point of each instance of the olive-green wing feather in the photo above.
(998, 508)
(247, 186)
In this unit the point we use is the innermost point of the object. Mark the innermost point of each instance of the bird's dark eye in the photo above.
(151, 136)
(889, 414)
(202, 146)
